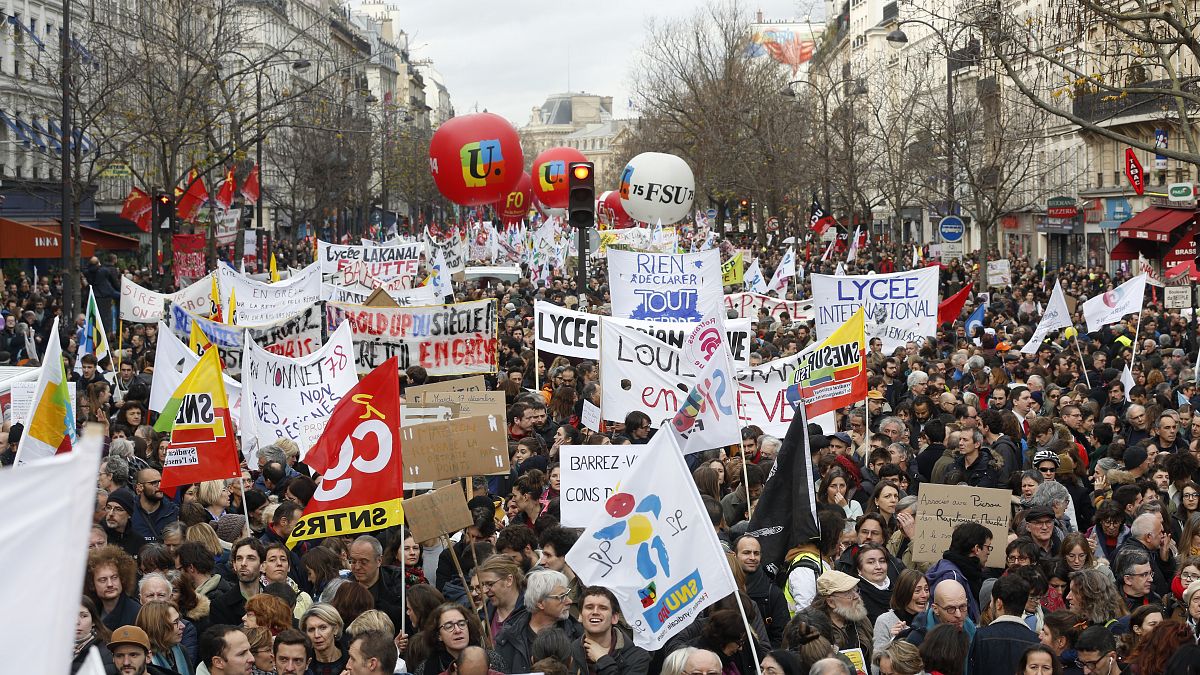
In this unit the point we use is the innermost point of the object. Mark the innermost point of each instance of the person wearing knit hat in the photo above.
(118, 521)
(255, 501)
(1135, 460)
(231, 527)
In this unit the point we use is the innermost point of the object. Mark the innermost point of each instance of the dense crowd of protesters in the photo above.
(1102, 558)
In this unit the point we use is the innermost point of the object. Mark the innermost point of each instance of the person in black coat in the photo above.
(998, 646)
(605, 647)
(772, 606)
(547, 605)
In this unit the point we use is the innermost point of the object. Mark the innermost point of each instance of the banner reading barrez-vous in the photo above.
(665, 286)
(901, 307)
(444, 339)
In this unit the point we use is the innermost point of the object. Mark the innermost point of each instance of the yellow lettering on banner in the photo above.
(348, 520)
(365, 401)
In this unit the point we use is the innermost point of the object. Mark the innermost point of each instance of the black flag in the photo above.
(819, 220)
(786, 513)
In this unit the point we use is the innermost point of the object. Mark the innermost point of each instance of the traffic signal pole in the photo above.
(581, 215)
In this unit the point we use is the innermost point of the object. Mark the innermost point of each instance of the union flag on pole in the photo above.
(137, 208)
(51, 427)
(832, 374)
(202, 445)
(359, 459)
(225, 194)
(250, 188)
(820, 220)
(193, 197)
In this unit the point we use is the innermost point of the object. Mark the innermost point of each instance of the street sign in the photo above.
(951, 228)
(952, 250)
(1178, 297)
(712, 214)
(1133, 171)
(1181, 192)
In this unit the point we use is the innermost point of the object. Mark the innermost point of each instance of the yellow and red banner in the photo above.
(202, 444)
(832, 374)
(359, 459)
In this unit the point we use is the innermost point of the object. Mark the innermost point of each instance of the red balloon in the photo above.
(476, 159)
(549, 174)
(610, 211)
(515, 206)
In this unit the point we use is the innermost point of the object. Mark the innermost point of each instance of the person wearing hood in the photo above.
(949, 606)
(772, 606)
(970, 545)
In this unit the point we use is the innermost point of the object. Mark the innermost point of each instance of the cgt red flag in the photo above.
(251, 190)
(192, 198)
(137, 208)
(359, 459)
(225, 194)
(950, 308)
(819, 221)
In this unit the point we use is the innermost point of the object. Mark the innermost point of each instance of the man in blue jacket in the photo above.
(998, 646)
(949, 606)
(153, 513)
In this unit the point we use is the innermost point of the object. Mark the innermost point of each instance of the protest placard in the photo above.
(901, 307)
(261, 303)
(999, 272)
(22, 400)
(471, 383)
(467, 403)
(140, 304)
(941, 507)
(641, 372)
(664, 286)
(399, 260)
(749, 305)
(454, 250)
(443, 511)
(591, 416)
(589, 476)
(453, 339)
(468, 446)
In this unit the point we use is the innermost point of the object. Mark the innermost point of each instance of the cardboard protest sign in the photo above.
(141, 305)
(999, 272)
(748, 305)
(444, 339)
(261, 303)
(589, 476)
(400, 260)
(472, 383)
(901, 307)
(457, 448)
(941, 507)
(665, 286)
(443, 511)
(467, 403)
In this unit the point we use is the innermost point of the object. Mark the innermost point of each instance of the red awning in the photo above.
(1183, 250)
(1128, 249)
(1188, 267)
(21, 240)
(109, 241)
(1155, 224)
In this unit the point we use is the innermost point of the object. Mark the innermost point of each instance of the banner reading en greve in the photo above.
(900, 307)
(359, 460)
(459, 338)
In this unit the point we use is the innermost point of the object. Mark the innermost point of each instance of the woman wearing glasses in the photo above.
(1186, 508)
(164, 627)
(448, 631)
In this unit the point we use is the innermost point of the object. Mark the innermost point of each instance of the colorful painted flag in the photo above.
(708, 417)
(93, 339)
(753, 279)
(832, 374)
(359, 459)
(51, 427)
(197, 416)
(733, 270)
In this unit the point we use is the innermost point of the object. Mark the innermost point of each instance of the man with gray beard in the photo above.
(838, 598)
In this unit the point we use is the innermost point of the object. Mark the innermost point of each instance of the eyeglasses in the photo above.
(451, 626)
(954, 609)
(1191, 495)
(1018, 558)
(488, 584)
(1188, 578)
(1089, 665)
(1141, 575)
(560, 596)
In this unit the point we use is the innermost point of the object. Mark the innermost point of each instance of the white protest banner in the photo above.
(1110, 306)
(261, 303)
(748, 305)
(354, 295)
(399, 260)
(46, 539)
(414, 297)
(641, 372)
(196, 298)
(1177, 297)
(293, 398)
(589, 475)
(1055, 317)
(999, 272)
(172, 362)
(762, 395)
(141, 305)
(901, 307)
(453, 249)
(707, 417)
(577, 334)
(453, 339)
(294, 336)
(665, 286)
(654, 547)
(22, 400)
(591, 416)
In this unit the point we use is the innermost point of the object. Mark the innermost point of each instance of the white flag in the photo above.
(46, 539)
(1110, 306)
(753, 278)
(441, 276)
(841, 270)
(853, 246)
(654, 547)
(708, 417)
(1055, 317)
(784, 271)
(1127, 380)
(916, 259)
(50, 423)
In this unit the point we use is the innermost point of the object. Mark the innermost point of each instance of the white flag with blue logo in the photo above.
(753, 278)
(654, 547)
(975, 321)
(708, 416)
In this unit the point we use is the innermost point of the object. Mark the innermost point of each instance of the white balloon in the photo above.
(657, 186)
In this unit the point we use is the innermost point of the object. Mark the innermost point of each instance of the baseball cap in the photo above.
(1045, 456)
(843, 437)
(875, 394)
(834, 581)
(129, 635)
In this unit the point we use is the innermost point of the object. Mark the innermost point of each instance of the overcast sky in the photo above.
(508, 55)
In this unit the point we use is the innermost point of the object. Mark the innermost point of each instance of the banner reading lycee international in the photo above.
(358, 458)
(664, 286)
(453, 339)
(901, 307)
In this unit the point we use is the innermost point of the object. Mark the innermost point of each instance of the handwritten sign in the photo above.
(472, 383)
(468, 446)
(941, 507)
(590, 474)
(433, 514)
(468, 403)
(450, 339)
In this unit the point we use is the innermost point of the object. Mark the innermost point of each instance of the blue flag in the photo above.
(975, 320)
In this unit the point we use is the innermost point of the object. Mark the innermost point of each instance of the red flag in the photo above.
(358, 457)
(192, 198)
(250, 187)
(951, 307)
(225, 194)
(197, 416)
(137, 208)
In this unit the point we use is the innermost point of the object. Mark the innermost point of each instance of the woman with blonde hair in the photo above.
(213, 495)
(323, 626)
(372, 619)
(164, 626)
(261, 648)
(206, 536)
(504, 586)
(899, 658)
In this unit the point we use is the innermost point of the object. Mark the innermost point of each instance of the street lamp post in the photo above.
(859, 89)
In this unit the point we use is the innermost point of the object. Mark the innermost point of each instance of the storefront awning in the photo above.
(1183, 250)
(1128, 249)
(21, 240)
(109, 241)
(1155, 224)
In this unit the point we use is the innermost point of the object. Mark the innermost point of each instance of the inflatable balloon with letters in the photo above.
(656, 186)
(549, 175)
(516, 204)
(476, 159)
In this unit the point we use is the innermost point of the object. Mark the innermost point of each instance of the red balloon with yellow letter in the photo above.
(549, 174)
(610, 211)
(516, 204)
(476, 159)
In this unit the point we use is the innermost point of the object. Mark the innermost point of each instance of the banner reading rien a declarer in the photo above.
(359, 460)
(831, 374)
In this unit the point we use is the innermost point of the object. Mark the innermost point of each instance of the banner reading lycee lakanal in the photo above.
(459, 338)
(664, 286)
(358, 457)
(901, 307)
(654, 547)
(381, 261)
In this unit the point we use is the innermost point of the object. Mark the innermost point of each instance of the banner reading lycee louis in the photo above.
(358, 457)
(460, 338)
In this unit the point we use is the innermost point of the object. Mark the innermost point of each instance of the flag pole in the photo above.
(751, 637)
(242, 485)
(1082, 365)
(1136, 332)
(120, 341)
(404, 581)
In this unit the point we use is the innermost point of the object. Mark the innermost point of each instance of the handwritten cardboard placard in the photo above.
(468, 403)
(941, 507)
(457, 448)
(433, 514)
(472, 383)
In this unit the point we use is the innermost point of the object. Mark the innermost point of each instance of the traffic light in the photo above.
(164, 208)
(581, 197)
(744, 208)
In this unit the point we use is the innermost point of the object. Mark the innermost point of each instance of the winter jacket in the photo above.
(125, 613)
(515, 641)
(984, 472)
(951, 567)
(625, 658)
(772, 606)
(998, 646)
(149, 526)
(441, 660)
(81, 655)
(1164, 570)
(925, 622)
(387, 592)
